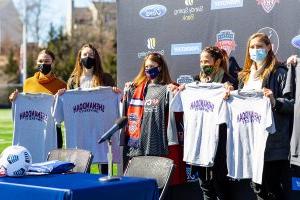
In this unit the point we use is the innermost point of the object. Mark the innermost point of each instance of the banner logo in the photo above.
(153, 11)
(225, 40)
(186, 49)
(273, 36)
(223, 4)
(267, 5)
(296, 41)
(184, 79)
(190, 11)
(189, 2)
(151, 43)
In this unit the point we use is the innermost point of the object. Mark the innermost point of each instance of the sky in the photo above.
(54, 12)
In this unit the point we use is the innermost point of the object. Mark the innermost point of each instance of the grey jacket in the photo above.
(292, 89)
(278, 144)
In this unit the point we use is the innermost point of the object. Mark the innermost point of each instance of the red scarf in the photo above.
(135, 115)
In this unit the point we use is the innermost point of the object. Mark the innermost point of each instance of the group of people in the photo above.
(87, 73)
(153, 128)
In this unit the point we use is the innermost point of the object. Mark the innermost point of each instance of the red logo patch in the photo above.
(225, 40)
(267, 5)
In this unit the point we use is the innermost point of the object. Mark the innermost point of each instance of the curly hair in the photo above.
(217, 54)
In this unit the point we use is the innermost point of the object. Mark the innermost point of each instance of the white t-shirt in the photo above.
(86, 82)
(34, 126)
(204, 110)
(254, 82)
(250, 120)
(88, 114)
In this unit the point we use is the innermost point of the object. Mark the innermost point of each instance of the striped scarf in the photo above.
(135, 115)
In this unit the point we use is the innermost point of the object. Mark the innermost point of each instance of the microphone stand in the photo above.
(110, 176)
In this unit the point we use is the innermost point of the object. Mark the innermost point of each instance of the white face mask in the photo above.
(258, 55)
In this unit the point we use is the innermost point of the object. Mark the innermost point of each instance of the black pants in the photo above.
(214, 182)
(103, 168)
(275, 181)
(214, 185)
(59, 137)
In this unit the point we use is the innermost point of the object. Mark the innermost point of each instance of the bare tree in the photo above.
(34, 18)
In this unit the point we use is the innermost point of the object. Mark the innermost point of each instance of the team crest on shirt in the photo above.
(267, 5)
(151, 105)
(225, 40)
(248, 117)
(151, 102)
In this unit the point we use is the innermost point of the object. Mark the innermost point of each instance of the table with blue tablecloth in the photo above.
(77, 186)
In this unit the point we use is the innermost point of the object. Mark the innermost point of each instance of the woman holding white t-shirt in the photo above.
(214, 182)
(263, 71)
(88, 73)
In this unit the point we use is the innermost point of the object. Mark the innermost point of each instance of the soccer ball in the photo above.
(15, 161)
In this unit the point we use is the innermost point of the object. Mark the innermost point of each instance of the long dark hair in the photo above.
(97, 79)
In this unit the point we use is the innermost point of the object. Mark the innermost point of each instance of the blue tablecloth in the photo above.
(76, 187)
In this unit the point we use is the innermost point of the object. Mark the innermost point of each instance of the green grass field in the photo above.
(6, 130)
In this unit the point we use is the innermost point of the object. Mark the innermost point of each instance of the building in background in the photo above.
(10, 34)
(99, 14)
(10, 25)
(10, 42)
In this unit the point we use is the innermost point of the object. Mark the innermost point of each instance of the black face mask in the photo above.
(87, 62)
(44, 68)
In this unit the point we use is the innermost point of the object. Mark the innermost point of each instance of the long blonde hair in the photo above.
(271, 62)
(97, 79)
(164, 75)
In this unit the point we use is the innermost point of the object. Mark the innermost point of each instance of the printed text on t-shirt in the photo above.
(88, 107)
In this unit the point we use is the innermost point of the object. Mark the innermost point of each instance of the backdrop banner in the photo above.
(180, 29)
